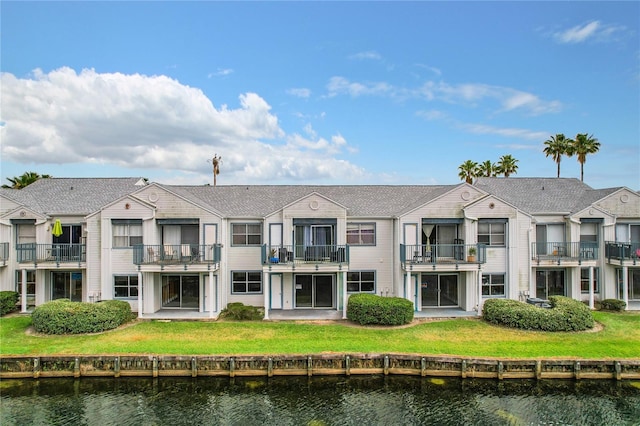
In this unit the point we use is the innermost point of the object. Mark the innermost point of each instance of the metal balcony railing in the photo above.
(301, 254)
(428, 254)
(54, 253)
(171, 254)
(622, 251)
(564, 251)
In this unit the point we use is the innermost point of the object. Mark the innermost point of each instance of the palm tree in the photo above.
(557, 146)
(467, 171)
(216, 161)
(24, 180)
(507, 165)
(582, 145)
(486, 168)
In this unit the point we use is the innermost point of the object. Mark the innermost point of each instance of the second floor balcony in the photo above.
(305, 254)
(622, 252)
(56, 253)
(563, 251)
(442, 254)
(176, 254)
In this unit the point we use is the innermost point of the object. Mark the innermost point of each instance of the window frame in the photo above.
(490, 285)
(129, 286)
(246, 234)
(491, 235)
(127, 235)
(360, 281)
(585, 280)
(246, 282)
(360, 235)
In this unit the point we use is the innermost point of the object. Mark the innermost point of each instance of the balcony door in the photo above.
(314, 291)
(67, 246)
(66, 285)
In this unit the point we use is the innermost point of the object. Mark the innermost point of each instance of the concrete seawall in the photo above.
(314, 365)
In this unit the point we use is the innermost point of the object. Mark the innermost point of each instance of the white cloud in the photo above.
(340, 85)
(369, 55)
(467, 94)
(504, 131)
(299, 92)
(592, 30)
(432, 115)
(152, 122)
(220, 72)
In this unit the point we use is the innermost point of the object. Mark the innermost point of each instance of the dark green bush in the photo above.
(372, 309)
(63, 316)
(566, 314)
(8, 300)
(240, 312)
(613, 305)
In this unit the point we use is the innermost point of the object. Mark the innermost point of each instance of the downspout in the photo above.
(140, 304)
(529, 265)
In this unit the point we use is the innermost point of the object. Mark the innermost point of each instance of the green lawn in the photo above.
(619, 338)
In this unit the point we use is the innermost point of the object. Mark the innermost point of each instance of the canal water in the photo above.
(316, 401)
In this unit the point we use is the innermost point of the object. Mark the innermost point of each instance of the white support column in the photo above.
(267, 292)
(344, 294)
(140, 304)
(212, 299)
(591, 289)
(23, 279)
(479, 281)
(625, 286)
(407, 288)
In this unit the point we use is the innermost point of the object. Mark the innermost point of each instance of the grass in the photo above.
(619, 338)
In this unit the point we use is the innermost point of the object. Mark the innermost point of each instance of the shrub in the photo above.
(613, 305)
(240, 312)
(63, 316)
(372, 309)
(8, 300)
(565, 314)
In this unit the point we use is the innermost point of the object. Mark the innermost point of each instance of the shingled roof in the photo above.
(74, 196)
(544, 195)
(360, 200)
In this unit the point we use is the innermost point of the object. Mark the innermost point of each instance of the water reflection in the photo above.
(317, 401)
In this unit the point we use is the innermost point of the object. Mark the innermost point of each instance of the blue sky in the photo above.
(317, 92)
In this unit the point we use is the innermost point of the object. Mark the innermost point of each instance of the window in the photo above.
(246, 282)
(584, 280)
(361, 281)
(246, 234)
(125, 286)
(362, 234)
(491, 233)
(126, 233)
(493, 285)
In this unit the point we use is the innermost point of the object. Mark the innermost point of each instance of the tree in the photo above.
(486, 168)
(583, 145)
(507, 165)
(557, 146)
(467, 171)
(216, 161)
(24, 180)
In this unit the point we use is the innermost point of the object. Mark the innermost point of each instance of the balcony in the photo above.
(559, 252)
(51, 253)
(176, 254)
(443, 254)
(302, 255)
(4, 253)
(622, 253)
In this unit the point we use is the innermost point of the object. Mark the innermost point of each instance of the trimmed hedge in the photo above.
(372, 309)
(613, 305)
(565, 314)
(8, 300)
(63, 316)
(240, 312)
